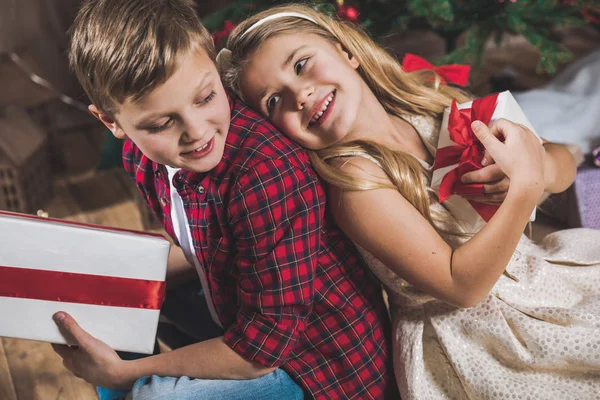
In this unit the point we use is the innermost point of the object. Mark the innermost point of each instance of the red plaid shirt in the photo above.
(288, 287)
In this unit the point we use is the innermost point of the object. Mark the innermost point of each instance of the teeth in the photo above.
(201, 148)
(325, 105)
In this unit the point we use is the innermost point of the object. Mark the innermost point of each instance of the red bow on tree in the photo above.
(455, 73)
(467, 153)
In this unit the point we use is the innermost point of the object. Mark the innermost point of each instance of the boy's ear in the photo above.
(109, 122)
(348, 56)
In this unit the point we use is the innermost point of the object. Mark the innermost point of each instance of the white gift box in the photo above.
(507, 108)
(110, 280)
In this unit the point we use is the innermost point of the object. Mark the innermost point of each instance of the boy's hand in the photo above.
(90, 359)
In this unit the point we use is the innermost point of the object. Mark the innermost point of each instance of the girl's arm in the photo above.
(390, 228)
(560, 168)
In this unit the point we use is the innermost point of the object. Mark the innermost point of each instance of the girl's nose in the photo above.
(303, 96)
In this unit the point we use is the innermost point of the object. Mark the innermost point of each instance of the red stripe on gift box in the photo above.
(69, 287)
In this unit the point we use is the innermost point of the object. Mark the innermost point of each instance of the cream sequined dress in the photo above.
(536, 336)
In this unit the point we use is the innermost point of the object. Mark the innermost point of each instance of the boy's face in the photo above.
(184, 122)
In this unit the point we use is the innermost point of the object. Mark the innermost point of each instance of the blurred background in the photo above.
(58, 161)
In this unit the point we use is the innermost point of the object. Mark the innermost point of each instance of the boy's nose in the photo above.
(196, 132)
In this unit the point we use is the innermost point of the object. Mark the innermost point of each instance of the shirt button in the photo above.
(163, 202)
(201, 189)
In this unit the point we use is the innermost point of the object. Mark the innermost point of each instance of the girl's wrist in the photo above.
(527, 193)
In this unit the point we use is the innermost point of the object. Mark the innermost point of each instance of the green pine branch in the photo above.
(437, 12)
(479, 19)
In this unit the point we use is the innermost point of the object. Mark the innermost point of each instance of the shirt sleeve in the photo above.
(276, 214)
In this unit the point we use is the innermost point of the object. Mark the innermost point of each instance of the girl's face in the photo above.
(307, 86)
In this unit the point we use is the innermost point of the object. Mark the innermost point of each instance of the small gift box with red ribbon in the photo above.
(111, 281)
(459, 151)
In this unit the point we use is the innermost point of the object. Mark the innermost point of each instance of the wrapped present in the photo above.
(459, 151)
(111, 281)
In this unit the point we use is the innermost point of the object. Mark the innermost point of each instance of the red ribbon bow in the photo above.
(455, 73)
(467, 153)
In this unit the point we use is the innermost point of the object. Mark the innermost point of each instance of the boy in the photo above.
(288, 289)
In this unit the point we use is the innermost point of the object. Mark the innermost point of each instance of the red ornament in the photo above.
(221, 35)
(592, 15)
(349, 13)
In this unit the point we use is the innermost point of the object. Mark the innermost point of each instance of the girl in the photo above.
(462, 328)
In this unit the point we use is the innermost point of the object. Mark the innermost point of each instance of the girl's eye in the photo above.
(299, 65)
(208, 98)
(272, 102)
(156, 129)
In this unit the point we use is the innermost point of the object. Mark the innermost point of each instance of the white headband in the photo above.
(275, 16)
(224, 56)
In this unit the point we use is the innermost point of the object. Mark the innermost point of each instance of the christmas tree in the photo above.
(478, 20)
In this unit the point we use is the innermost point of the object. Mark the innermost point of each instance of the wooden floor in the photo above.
(30, 370)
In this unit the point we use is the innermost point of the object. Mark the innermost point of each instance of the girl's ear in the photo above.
(348, 56)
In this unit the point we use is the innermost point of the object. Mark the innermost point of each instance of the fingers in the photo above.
(71, 330)
(67, 353)
(503, 128)
(63, 350)
(487, 174)
(494, 199)
(487, 159)
(68, 363)
(500, 186)
(486, 137)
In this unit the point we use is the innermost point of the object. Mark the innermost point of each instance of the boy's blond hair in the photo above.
(124, 49)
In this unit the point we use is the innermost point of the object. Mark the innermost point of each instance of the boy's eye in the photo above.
(208, 98)
(272, 102)
(156, 129)
(299, 65)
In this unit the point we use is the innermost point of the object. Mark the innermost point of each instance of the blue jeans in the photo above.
(186, 307)
(275, 385)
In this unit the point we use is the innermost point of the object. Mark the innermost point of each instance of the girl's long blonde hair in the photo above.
(400, 93)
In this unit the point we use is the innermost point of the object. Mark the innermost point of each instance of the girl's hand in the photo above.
(90, 359)
(521, 156)
(494, 180)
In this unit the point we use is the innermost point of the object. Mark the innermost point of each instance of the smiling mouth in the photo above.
(324, 107)
(201, 151)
